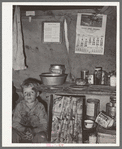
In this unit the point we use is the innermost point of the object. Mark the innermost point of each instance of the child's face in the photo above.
(29, 94)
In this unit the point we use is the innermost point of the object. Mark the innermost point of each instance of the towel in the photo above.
(18, 55)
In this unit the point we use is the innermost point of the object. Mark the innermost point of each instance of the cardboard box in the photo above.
(106, 135)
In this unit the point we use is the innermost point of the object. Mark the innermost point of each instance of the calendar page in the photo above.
(90, 33)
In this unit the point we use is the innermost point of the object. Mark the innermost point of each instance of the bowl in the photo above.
(88, 123)
(53, 79)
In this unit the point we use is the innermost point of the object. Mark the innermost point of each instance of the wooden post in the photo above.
(50, 106)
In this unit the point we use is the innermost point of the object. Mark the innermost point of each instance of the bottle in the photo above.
(97, 75)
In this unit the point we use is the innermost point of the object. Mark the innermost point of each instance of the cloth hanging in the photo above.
(66, 35)
(18, 55)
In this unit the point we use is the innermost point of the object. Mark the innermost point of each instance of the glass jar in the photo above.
(97, 75)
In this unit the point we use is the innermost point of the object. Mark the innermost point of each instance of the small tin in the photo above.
(104, 120)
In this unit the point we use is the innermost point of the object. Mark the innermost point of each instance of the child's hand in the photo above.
(28, 135)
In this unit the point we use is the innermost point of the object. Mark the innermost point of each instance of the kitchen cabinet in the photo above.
(101, 92)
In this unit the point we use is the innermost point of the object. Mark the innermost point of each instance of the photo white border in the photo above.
(7, 71)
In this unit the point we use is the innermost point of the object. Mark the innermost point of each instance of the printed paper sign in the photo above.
(90, 33)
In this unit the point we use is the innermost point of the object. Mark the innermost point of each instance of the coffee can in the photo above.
(92, 108)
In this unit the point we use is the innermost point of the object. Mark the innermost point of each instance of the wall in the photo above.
(39, 55)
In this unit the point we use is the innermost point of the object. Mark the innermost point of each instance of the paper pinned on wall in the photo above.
(90, 33)
(52, 32)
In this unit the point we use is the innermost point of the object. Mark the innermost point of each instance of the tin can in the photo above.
(97, 75)
(104, 120)
(92, 108)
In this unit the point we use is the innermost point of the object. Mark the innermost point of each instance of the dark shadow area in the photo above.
(15, 96)
(43, 102)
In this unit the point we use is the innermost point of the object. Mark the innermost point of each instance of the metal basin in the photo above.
(53, 79)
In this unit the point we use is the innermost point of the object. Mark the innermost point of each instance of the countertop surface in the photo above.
(73, 89)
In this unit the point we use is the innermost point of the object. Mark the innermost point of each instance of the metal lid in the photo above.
(98, 68)
(57, 66)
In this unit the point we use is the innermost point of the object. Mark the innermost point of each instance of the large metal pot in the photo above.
(53, 79)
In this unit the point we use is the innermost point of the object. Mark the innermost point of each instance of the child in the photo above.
(29, 123)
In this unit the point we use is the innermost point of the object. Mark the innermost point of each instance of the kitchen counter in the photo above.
(73, 89)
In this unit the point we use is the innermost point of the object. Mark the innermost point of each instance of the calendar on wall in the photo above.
(90, 33)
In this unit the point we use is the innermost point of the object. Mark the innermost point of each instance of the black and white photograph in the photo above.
(60, 74)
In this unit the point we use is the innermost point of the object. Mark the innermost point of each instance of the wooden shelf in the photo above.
(67, 89)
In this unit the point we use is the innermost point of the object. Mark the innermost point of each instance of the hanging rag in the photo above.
(71, 77)
(18, 55)
(66, 35)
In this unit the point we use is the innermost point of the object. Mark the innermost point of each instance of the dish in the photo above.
(88, 123)
(78, 87)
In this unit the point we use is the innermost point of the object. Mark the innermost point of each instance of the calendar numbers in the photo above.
(89, 44)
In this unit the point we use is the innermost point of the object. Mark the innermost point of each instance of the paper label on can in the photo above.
(90, 109)
(104, 120)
